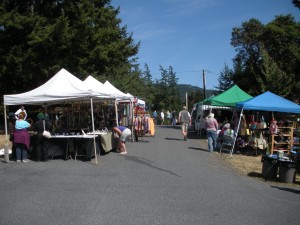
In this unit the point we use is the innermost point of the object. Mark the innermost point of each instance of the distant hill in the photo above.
(187, 88)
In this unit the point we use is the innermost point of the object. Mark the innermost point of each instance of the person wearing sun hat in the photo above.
(211, 126)
(21, 109)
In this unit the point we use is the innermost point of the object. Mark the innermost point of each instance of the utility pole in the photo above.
(186, 101)
(204, 85)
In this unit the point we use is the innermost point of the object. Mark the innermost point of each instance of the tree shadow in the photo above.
(148, 163)
(255, 174)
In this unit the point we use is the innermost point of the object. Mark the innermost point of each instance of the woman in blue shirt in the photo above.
(21, 138)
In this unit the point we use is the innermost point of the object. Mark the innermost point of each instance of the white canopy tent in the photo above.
(97, 86)
(110, 90)
(120, 95)
(63, 86)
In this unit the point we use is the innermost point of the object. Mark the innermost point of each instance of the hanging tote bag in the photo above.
(46, 133)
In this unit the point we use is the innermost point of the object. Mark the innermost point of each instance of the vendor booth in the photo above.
(277, 131)
(225, 101)
(62, 88)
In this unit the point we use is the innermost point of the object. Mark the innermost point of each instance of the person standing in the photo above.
(21, 138)
(185, 120)
(173, 118)
(169, 117)
(123, 133)
(42, 143)
(211, 126)
(21, 109)
(155, 116)
(162, 117)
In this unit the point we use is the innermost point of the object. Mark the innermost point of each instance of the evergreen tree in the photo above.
(174, 96)
(38, 38)
(225, 79)
(272, 78)
(149, 87)
(194, 97)
(296, 3)
(166, 91)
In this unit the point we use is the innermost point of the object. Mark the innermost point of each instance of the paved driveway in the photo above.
(162, 180)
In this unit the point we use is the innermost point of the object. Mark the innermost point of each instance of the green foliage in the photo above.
(165, 91)
(194, 97)
(296, 3)
(271, 77)
(268, 56)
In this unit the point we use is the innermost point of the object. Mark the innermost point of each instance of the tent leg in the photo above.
(236, 133)
(93, 125)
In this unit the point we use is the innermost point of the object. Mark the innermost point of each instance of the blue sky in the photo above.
(193, 35)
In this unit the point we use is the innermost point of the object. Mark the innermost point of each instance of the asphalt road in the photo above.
(163, 180)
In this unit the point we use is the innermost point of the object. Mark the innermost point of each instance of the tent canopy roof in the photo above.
(97, 87)
(228, 98)
(62, 86)
(119, 94)
(269, 101)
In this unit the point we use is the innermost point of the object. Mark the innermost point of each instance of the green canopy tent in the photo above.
(228, 98)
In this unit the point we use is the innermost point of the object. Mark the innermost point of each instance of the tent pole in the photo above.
(132, 120)
(95, 149)
(5, 122)
(199, 132)
(236, 133)
(117, 116)
(6, 149)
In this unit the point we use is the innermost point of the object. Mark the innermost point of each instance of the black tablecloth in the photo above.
(67, 146)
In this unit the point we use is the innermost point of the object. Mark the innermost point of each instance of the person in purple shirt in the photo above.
(21, 138)
(123, 133)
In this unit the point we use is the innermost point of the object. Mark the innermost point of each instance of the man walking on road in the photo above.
(185, 120)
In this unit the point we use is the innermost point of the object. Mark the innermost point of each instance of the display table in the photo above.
(108, 142)
(67, 144)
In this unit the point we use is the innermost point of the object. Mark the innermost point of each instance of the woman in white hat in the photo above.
(211, 126)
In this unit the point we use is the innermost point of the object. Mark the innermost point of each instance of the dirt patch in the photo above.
(3, 141)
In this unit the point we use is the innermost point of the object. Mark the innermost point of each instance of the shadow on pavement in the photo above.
(175, 139)
(193, 135)
(149, 163)
(199, 149)
(287, 189)
(170, 126)
(254, 174)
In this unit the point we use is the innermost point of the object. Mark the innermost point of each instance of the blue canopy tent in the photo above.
(267, 101)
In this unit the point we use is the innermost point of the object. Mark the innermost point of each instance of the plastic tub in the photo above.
(269, 167)
(287, 171)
